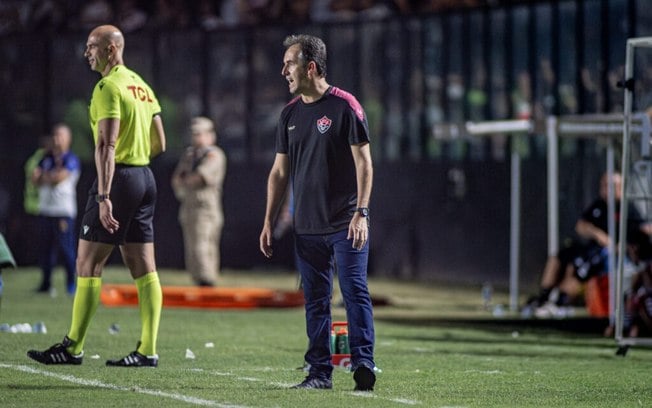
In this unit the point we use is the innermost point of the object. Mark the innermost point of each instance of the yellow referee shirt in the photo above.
(123, 94)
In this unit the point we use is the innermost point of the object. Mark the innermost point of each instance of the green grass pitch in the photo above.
(435, 345)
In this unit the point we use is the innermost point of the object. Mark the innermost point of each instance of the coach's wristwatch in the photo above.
(101, 197)
(364, 211)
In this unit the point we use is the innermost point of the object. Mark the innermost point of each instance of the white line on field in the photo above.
(404, 401)
(248, 379)
(99, 384)
(397, 400)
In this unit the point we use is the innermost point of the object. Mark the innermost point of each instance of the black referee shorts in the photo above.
(133, 195)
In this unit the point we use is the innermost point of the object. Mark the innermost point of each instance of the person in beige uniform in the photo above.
(197, 183)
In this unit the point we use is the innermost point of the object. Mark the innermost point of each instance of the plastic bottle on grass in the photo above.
(343, 341)
(39, 327)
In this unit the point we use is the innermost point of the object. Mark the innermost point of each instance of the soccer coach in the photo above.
(322, 146)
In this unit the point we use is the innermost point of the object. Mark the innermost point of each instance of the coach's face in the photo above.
(294, 70)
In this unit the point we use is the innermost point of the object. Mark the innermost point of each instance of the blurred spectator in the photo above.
(162, 15)
(343, 10)
(48, 14)
(476, 96)
(129, 16)
(94, 13)
(638, 306)
(292, 11)
(377, 9)
(586, 256)
(56, 176)
(442, 5)
(256, 11)
(592, 95)
(13, 16)
(545, 103)
(616, 94)
(172, 14)
(207, 16)
(30, 193)
(197, 184)
(522, 96)
(229, 11)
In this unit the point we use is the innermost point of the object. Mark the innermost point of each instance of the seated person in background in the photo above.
(564, 274)
(638, 305)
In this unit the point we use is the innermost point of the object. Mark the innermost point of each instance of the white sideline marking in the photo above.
(397, 400)
(248, 379)
(99, 384)
(484, 372)
(405, 401)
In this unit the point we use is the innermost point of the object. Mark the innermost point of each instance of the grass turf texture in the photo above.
(435, 345)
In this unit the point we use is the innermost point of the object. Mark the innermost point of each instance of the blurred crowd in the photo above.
(133, 15)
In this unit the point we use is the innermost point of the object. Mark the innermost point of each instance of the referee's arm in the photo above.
(156, 137)
(108, 130)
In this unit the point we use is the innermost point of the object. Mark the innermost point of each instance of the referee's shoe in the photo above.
(134, 359)
(57, 354)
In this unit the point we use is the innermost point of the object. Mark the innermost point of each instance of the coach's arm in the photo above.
(359, 227)
(276, 185)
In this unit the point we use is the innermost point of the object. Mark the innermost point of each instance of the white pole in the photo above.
(611, 228)
(627, 113)
(553, 186)
(515, 230)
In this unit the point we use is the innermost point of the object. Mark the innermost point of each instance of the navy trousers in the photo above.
(317, 256)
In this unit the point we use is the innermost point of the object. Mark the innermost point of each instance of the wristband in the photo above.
(101, 197)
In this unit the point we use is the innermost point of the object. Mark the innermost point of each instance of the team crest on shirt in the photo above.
(323, 124)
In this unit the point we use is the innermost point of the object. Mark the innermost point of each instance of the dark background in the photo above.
(440, 204)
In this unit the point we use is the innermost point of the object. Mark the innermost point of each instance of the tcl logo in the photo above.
(140, 93)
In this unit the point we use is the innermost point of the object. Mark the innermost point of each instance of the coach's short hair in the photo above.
(312, 49)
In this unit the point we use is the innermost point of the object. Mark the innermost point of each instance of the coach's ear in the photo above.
(312, 70)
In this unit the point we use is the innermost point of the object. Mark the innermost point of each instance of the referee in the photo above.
(128, 132)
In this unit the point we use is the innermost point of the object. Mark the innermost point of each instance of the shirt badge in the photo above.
(323, 124)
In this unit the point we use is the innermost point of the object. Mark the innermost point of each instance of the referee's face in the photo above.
(96, 53)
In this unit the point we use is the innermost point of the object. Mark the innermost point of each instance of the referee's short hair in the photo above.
(312, 49)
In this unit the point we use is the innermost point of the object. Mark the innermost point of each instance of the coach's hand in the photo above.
(106, 216)
(358, 231)
(266, 241)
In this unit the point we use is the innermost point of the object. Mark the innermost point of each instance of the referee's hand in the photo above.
(106, 216)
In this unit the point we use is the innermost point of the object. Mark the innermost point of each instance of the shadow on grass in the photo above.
(567, 333)
(34, 387)
(579, 325)
(513, 349)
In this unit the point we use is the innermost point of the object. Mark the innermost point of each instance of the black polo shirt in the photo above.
(317, 138)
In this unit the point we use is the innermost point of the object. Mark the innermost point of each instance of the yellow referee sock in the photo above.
(150, 302)
(87, 298)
